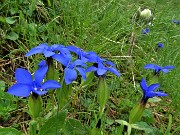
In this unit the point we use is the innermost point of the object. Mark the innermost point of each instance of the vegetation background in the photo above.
(102, 26)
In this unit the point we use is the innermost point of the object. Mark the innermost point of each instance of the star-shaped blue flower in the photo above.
(101, 66)
(70, 72)
(145, 31)
(57, 52)
(157, 68)
(82, 55)
(25, 84)
(149, 91)
(160, 45)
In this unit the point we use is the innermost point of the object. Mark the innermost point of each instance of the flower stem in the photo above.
(132, 43)
(50, 76)
(33, 127)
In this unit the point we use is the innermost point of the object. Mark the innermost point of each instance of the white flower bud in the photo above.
(146, 14)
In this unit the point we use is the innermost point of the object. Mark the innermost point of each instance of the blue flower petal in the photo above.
(92, 57)
(153, 87)
(145, 31)
(114, 71)
(150, 94)
(48, 53)
(70, 75)
(165, 70)
(62, 59)
(82, 72)
(50, 84)
(110, 63)
(149, 66)
(73, 49)
(39, 92)
(42, 63)
(161, 94)
(143, 85)
(101, 71)
(54, 47)
(40, 74)
(23, 76)
(169, 67)
(34, 51)
(79, 62)
(91, 68)
(65, 51)
(21, 90)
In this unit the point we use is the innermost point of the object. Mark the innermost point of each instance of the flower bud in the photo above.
(137, 112)
(102, 94)
(35, 105)
(146, 14)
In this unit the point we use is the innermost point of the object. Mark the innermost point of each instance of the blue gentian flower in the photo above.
(25, 84)
(79, 52)
(101, 66)
(149, 91)
(157, 68)
(82, 55)
(70, 72)
(160, 45)
(145, 31)
(176, 22)
(57, 52)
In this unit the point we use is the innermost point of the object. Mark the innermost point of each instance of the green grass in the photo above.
(104, 27)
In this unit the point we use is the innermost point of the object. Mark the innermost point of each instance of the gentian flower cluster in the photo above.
(63, 55)
(25, 84)
(157, 69)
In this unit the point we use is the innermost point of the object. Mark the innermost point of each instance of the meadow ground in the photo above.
(105, 27)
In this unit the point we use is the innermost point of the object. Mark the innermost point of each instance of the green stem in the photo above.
(129, 130)
(63, 94)
(33, 127)
(51, 76)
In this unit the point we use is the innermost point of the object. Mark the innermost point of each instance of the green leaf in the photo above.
(12, 36)
(2, 85)
(6, 106)
(54, 124)
(6, 100)
(154, 99)
(10, 20)
(31, 28)
(148, 116)
(10, 131)
(169, 126)
(123, 122)
(148, 129)
(2, 19)
(74, 126)
(109, 121)
(89, 79)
